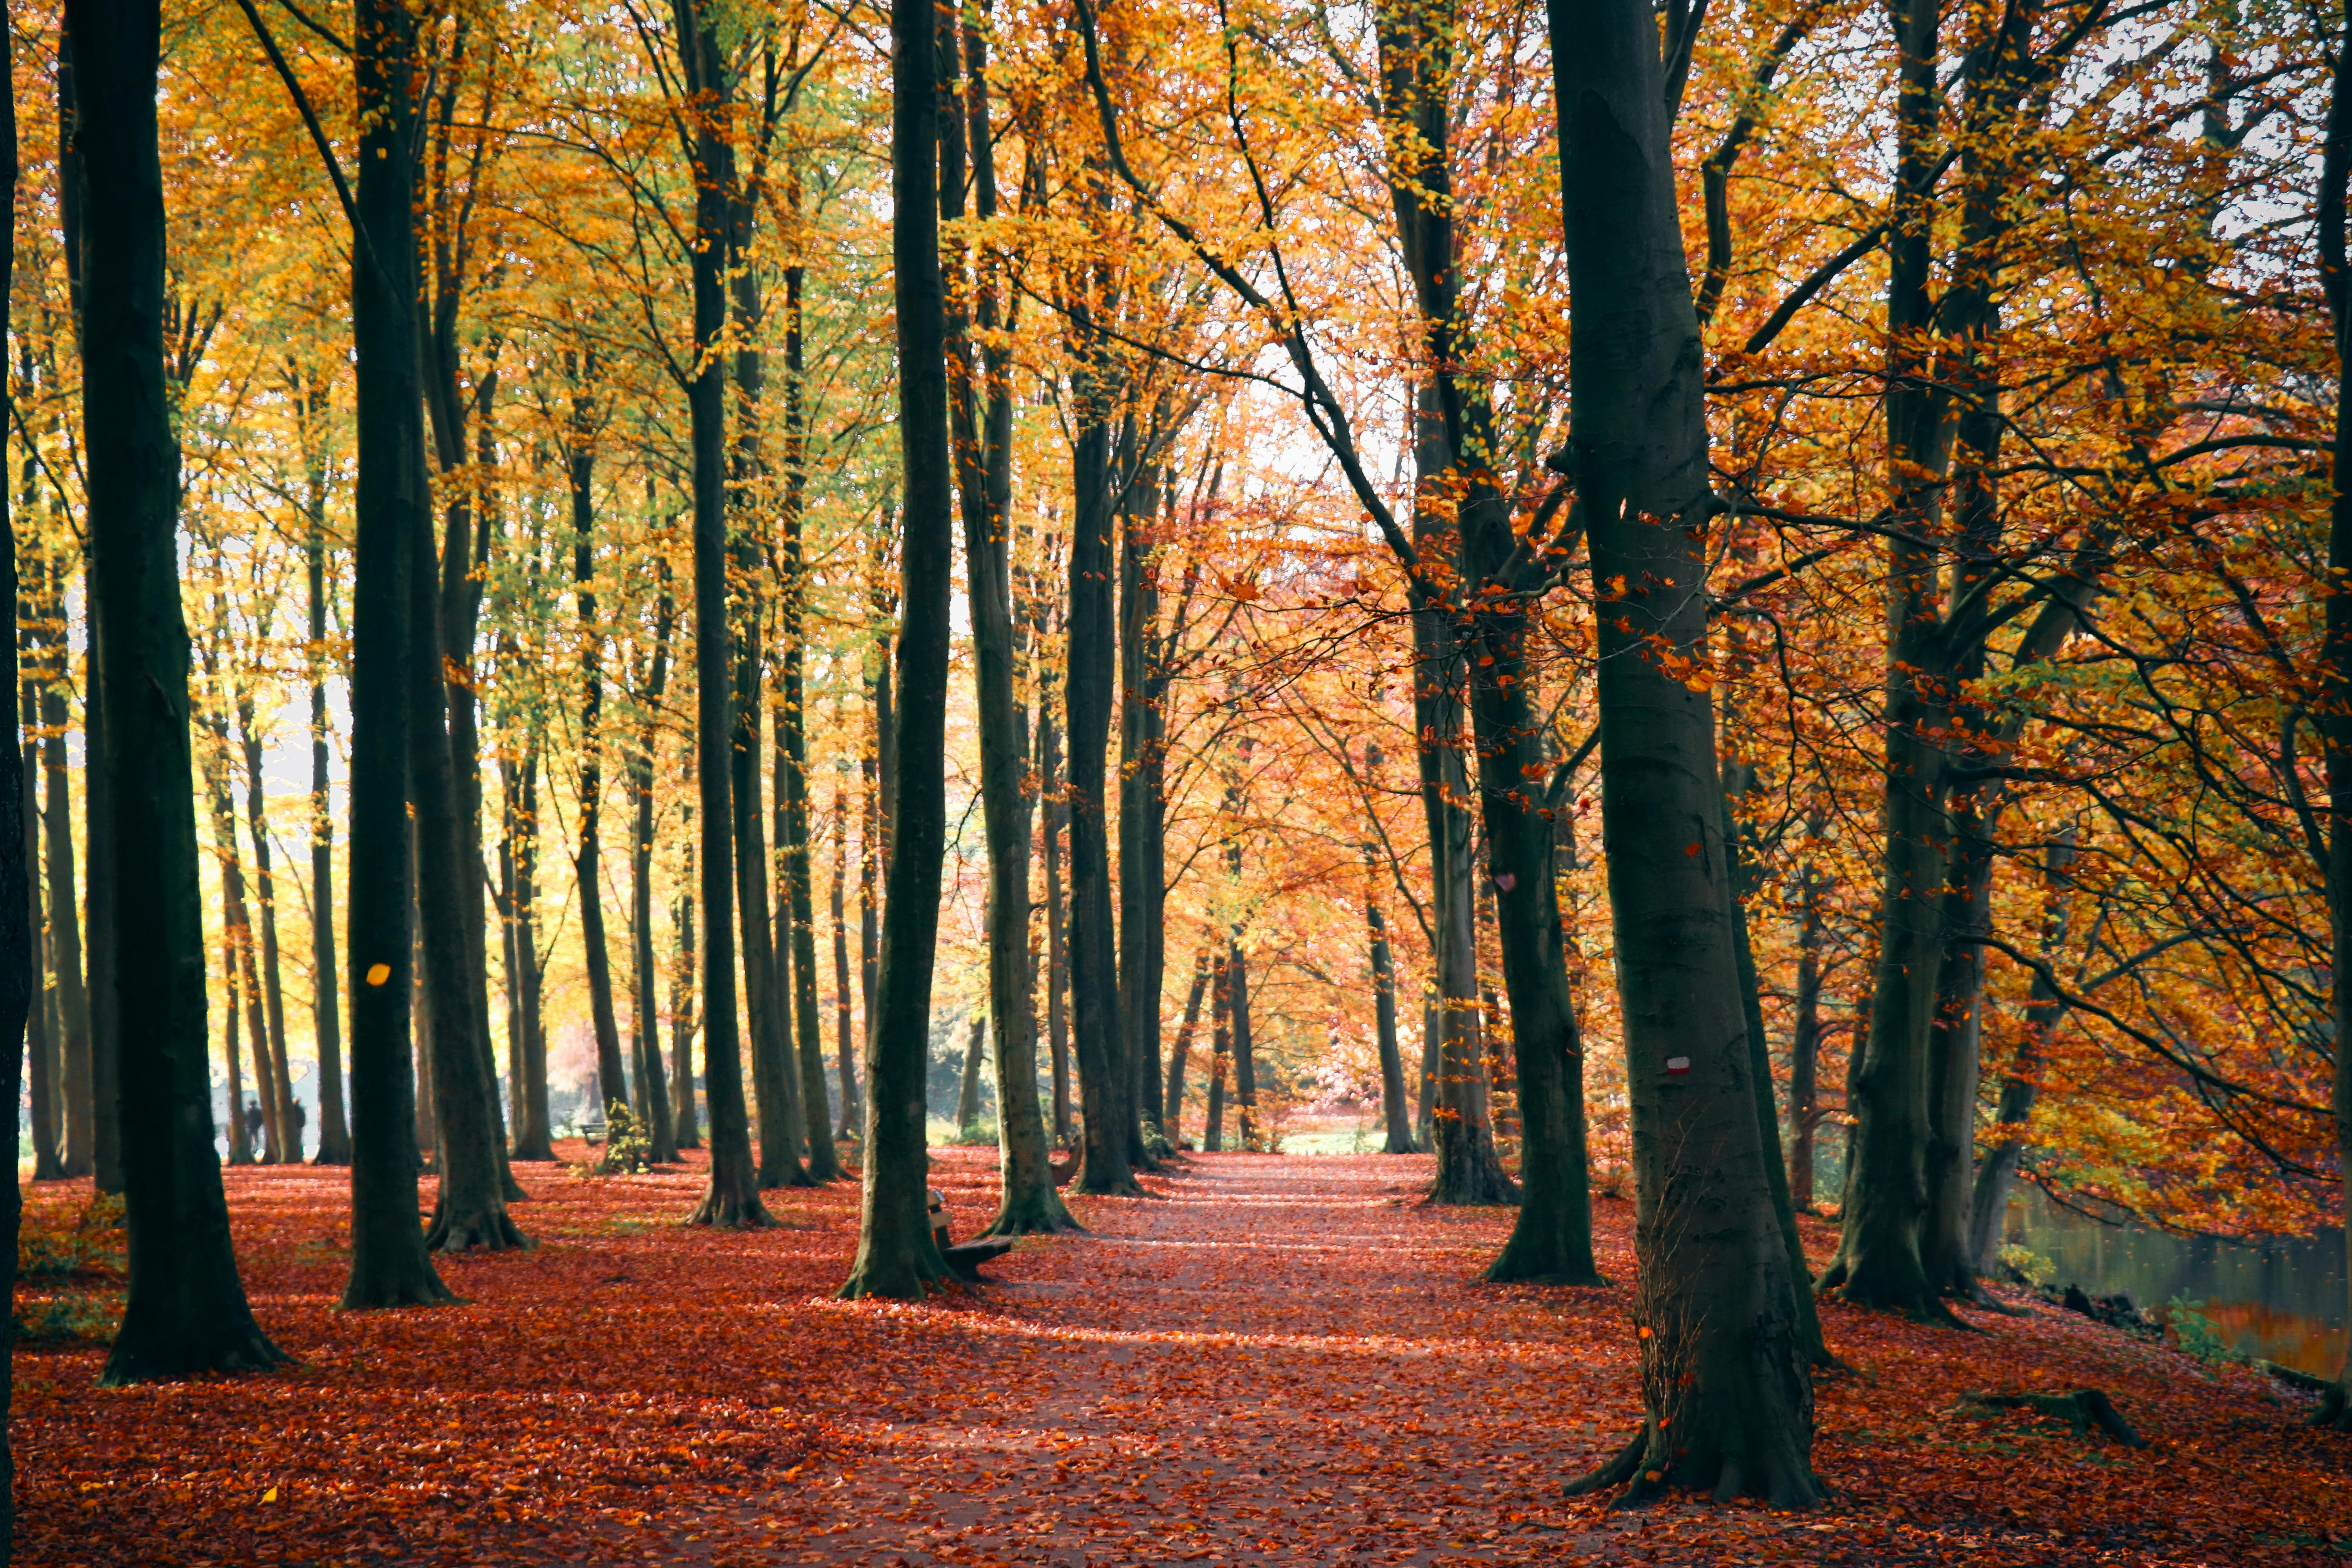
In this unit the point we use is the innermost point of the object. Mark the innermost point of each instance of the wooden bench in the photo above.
(964, 1259)
(593, 1130)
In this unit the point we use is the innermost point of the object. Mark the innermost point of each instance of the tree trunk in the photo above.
(1955, 1055)
(2021, 1083)
(869, 903)
(1469, 1170)
(1805, 1037)
(1245, 1048)
(38, 1046)
(334, 1131)
(1093, 921)
(895, 1254)
(681, 1002)
(240, 1137)
(1801, 1309)
(783, 1126)
(470, 1209)
(1729, 1400)
(1057, 960)
(968, 1086)
(797, 896)
(64, 928)
(20, 968)
(851, 1114)
(653, 1093)
(731, 1199)
(611, 1073)
(2335, 662)
(533, 1133)
(1424, 1121)
(980, 404)
(265, 895)
(186, 1313)
(1879, 1261)
(1220, 1041)
(236, 946)
(1173, 1104)
(1395, 1110)
(1142, 893)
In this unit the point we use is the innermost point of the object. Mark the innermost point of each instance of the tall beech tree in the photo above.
(19, 931)
(980, 389)
(896, 1256)
(2336, 664)
(731, 1199)
(1096, 1029)
(390, 1265)
(187, 1311)
(1727, 1397)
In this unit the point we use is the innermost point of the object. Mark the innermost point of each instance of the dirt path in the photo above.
(1273, 1360)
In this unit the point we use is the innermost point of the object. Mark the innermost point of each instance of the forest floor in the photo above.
(1270, 1359)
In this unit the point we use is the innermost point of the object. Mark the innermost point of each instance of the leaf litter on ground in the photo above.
(1269, 1359)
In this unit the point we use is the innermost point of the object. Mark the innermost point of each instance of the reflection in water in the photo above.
(2279, 1299)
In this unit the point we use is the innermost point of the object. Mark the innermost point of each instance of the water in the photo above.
(2280, 1298)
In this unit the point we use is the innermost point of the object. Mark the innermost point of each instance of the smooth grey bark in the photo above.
(1727, 1396)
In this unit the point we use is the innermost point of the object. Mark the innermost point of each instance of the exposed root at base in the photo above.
(485, 1231)
(732, 1214)
(2082, 1410)
(1784, 1489)
(2335, 1412)
(1033, 1219)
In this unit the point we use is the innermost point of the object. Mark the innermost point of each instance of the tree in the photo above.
(895, 1254)
(1727, 1396)
(187, 1311)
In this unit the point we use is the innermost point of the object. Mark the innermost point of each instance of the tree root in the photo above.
(2335, 1412)
(2081, 1410)
(728, 1212)
(481, 1231)
(1645, 1478)
(1042, 1215)
(1615, 1471)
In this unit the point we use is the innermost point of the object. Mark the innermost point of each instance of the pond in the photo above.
(2279, 1298)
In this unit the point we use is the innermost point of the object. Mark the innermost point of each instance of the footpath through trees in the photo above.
(1270, 1360)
